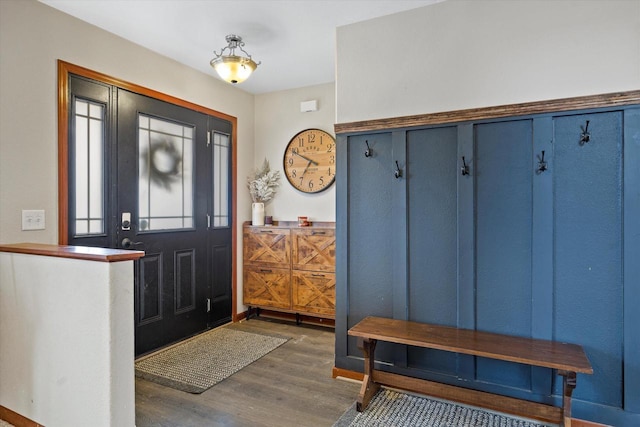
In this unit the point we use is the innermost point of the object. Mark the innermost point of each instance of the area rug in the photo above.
(201, 362)
(390, 408)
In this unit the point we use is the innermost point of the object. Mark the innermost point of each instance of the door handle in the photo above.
(128, 243)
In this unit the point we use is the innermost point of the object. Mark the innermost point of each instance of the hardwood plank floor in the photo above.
(291, 386)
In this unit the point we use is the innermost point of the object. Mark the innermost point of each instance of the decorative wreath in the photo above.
(164, 163)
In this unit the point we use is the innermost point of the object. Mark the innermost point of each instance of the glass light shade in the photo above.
(233, 69)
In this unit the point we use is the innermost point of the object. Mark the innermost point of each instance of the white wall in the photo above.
(66, 340)
(465, 54)
(277, 120)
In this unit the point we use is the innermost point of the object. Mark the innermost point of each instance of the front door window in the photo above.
(165, 174)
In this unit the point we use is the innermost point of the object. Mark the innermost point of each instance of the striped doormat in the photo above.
(390, 408)
(203, 361)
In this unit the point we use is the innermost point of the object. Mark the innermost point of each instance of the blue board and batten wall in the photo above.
(510, 247)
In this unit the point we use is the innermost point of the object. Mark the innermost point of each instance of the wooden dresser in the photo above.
(289, 268)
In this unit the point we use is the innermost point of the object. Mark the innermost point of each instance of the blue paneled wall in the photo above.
(511, 247)
(588, 260)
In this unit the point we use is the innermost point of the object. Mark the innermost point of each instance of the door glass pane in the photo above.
(165, 177)
(220, 179)
(89, 167)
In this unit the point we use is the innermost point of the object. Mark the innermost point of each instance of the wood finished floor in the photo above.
(291, 386)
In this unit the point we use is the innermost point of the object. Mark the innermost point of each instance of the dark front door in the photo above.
(166, 191)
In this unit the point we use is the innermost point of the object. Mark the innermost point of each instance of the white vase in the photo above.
(257, 214)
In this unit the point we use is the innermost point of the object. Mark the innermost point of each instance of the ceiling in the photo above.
(294, 39)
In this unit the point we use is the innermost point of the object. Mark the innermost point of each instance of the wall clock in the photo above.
(310, 161)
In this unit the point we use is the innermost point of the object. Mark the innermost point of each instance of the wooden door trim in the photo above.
(617, 99)
(66, 68)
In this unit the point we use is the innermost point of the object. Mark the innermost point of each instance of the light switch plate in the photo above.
(33, 219)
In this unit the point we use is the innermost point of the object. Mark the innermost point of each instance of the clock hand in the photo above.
(307, 167)
(306, 158)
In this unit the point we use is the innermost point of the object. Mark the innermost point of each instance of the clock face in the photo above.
(310, 161)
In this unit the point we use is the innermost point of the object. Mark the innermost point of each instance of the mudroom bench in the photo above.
(566, 359)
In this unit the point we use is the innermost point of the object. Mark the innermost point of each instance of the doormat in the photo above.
(202, 362)
(390, 408)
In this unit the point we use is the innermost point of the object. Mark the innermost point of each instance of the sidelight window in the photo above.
(88, 146)
(221, 149)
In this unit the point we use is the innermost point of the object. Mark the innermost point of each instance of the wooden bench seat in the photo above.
(566, 359)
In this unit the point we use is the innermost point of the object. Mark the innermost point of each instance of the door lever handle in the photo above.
(128, 243)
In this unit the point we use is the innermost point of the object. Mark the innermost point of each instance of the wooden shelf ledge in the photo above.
(74, 252)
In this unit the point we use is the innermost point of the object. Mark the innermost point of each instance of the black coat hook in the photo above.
(542, 165)
(464, 169)
(585, 136)
(367, 152)
(398, 171)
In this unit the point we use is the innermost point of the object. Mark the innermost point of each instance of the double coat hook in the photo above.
(464, 169)
(585, 136)
(542, 165)
(398, 171)
(367, 152)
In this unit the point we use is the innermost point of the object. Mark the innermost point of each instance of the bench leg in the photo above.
(568, 385)
(369, 387)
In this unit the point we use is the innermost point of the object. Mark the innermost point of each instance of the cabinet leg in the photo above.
(298, 319)
(252, 312)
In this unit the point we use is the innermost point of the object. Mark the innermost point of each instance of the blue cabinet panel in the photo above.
(631, 203)
(432, 227)
(588, 307)
(370, 267)
(503, 240)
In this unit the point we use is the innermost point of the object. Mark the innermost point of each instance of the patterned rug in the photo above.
(393, 409)
(200, 363)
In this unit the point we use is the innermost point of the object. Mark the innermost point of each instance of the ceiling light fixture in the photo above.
(231, 67)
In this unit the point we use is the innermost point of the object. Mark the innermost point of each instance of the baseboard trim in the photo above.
(16, 419)
(345, 373)
(583, 423)
(240, 317)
